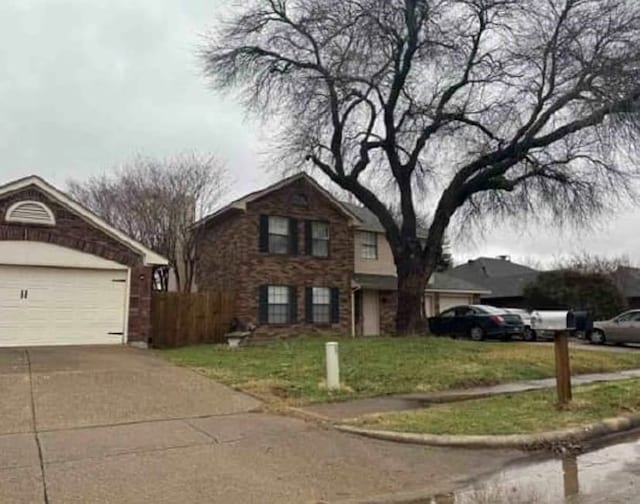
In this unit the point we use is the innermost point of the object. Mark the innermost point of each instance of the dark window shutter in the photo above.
(263, 304)
(293, 236)
(335, 305)
(263, 240)
(308, 305)
(293, 305)
(308, 237)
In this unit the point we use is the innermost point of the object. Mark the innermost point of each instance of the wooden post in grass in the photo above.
(563, 369)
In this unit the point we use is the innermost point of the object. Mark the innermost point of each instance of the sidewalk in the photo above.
(359, 407)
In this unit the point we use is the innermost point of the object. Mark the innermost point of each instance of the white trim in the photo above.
(127, 306)
(150, 257)
(35, 253)
(9, 218)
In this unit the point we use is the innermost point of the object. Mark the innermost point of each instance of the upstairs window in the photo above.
(317, 238)
(30, 212)
(278, 235)
(369, 246)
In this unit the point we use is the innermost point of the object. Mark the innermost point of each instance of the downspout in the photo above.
(353, 309)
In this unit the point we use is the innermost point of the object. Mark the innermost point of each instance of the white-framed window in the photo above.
(278, 304)
(320, 239)
(369, 245)
(278, 235)
(321, 305)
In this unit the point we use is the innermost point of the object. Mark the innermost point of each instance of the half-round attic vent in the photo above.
(30, 212)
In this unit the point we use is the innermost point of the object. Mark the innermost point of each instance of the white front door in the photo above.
(370, 312)
(61, 306)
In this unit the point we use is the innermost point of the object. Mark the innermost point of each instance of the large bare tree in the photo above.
(464, 108)
(156, 201)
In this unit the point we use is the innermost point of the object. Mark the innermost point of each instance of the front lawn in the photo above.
(293, 371)
(521, 413)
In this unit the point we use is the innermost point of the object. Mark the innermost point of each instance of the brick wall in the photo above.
(229, 258)
(72, 231)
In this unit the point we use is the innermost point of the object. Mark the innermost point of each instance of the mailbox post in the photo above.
(562, 324)
(563, 367)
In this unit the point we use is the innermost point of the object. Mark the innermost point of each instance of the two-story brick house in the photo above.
(301, 261)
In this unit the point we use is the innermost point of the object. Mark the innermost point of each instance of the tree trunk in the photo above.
(412, 282)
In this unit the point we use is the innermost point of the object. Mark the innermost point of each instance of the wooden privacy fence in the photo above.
(180, 319)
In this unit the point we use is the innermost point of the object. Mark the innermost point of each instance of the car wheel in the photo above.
(597, 337)
(476, 333)
(528, 334)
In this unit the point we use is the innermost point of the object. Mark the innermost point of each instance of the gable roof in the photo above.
(149, 256)
(498, 275)
(241, 203)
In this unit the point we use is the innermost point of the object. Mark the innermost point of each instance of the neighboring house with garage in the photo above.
(301, 261)
(66, 276)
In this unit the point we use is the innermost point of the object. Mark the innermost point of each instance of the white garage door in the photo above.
(447, 302)
(61, 306)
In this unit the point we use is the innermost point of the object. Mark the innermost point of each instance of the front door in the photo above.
(371, 312)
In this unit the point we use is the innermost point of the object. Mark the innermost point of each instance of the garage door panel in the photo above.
(450, 301)
(62, 307)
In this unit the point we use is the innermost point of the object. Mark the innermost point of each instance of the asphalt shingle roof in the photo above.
(500, 276)
(438, 282)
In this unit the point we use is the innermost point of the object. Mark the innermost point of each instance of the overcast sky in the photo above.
(87, 84)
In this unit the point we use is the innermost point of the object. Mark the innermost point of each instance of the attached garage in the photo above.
(66, 276)
(449, 301)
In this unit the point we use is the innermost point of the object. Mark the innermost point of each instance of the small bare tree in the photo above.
(156, 202)
(467, 107)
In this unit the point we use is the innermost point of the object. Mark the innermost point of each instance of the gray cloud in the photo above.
(86, 84)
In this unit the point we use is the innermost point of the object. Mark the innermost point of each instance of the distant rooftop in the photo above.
(498, 275)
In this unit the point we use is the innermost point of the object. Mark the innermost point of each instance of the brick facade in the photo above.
(73, 231)
(229, 257)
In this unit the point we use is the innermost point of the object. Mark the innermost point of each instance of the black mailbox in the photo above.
(581, 321)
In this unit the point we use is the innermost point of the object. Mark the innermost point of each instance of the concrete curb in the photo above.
(542, 440)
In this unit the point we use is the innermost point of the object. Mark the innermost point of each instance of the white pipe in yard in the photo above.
(333, 365)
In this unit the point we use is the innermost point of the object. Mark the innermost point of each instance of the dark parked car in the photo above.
(478, 322)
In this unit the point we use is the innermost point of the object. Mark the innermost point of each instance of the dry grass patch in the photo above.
(526, 412)
(293, 370)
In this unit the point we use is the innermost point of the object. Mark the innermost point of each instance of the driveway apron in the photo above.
(116, 424)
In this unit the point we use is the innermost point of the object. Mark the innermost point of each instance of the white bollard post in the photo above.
(333, 365)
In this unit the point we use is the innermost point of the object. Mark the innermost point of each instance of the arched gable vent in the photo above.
(30, 212)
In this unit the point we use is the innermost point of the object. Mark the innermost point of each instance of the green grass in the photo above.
(520, 413)
(293, 370)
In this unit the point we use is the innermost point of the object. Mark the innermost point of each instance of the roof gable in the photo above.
(149, 256)
(241, 203)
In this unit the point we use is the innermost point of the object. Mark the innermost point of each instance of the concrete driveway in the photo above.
(115, 424)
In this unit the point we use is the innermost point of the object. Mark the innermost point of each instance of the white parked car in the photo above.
(529, 319)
